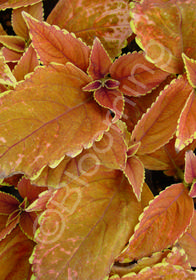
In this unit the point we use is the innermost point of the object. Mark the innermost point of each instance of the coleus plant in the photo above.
(80, 123)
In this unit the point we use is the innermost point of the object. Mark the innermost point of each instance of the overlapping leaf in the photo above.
(188, 241)
(155, 258)
(108, 20)
(187, 123)
(18, 23)
(190, 65)
(136, 75)
(190, 167)
(161, 224)
(161, 271)
(6, 76)
(79, 217)
(166, 29)
(26, 64)
(109, 151)
(134, 171)
(153, 130)
(55, 45)
(15, 251)
(16, 3)
(167, 158)
(48, 116)
(176, 257)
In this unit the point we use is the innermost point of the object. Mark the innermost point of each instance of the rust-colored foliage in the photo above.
(81, 119)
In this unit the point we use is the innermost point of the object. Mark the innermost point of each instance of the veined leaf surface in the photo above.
(161, 224)
(55, 45)
(94, 216)
(47, 116)
(165, 30)
(153, 130)
(16, 3)
(106, 19)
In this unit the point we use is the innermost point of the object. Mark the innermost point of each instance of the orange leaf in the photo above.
(28, 224)
(5, 228)
(43, 115)
(26, 64)
(188, 241)
(100, 61)
(187, 123)
(26, 189)
(6, 76)
(190, 65)
(8, 203)
(167, 158)
(136, 75)
(109, 21)
(164, 30)
(40, 203)
(16, 3)
(178, 257)
(14, 43)
(121, 269)
(111, 99)
(190, 167)
(159, 272)
(55, 45)
(79, 217)
(15, 251)
(109, 151)
(153, 130)
(10, 55)
(161, 224)
(18, 23)
(134, 171)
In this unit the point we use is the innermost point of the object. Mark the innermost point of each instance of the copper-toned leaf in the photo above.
(15, 43)
(26, 189)
(55, 45)
(188, 241)
(109, 151)
(167, 158)
(111, 99)
(161, 271)
(192, 191)
(18, 23)
(166, 29)
(134, 171)
(122, 269)
(26, 64)
(186, 130)
(161, 224)
(28, 224)
(190, 65)
(100, 61)
(153, 130)
(15, 250)
(5, 228)
(108, 20)
(190, 167)
(136, 75)
(40, 203)
(6, 76)
(10, 55)
(86, 224)
(8, 203)
(16, 3)
(178, 257)
(48, 116)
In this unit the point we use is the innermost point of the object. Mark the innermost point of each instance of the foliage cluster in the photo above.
(80, 122)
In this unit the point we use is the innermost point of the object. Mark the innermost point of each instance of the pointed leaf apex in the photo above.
(190, 66)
